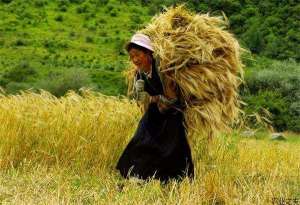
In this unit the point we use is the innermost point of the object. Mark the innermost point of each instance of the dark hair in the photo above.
(131, 45)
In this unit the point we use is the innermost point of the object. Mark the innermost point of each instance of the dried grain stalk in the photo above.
(203, 58)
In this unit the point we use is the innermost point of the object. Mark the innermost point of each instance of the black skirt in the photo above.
(159, 148)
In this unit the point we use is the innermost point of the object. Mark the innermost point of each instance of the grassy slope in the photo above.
(49, 29)
(90, 39)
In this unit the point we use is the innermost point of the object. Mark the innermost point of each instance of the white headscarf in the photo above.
(142, 40)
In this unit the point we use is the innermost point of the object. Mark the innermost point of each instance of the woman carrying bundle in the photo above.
(159, 147)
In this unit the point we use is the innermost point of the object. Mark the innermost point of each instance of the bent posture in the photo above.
(159, 147)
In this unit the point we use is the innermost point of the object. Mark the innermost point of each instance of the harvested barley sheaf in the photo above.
(203, 58)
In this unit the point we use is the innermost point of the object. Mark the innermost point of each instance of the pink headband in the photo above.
(142, 40)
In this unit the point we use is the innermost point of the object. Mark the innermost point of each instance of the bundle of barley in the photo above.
(204, 60)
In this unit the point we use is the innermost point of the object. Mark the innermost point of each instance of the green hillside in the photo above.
(59, 45)
(49, 39)
(269, 27)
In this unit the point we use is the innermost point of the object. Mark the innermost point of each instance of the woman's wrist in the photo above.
(167, 101)
(163, 100)
(154, 99)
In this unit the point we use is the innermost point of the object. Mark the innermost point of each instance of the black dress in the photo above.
(159, 146)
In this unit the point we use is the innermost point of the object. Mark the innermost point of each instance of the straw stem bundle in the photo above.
(203, 58)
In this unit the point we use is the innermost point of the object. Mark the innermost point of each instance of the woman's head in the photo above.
(140, 51)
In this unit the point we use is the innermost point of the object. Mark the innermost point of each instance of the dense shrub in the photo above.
(113, 13)
(52, 45)
(273, 102)
(103, 2)
(276, 87)
(20, 73)
(77, 1)
(15, 87)
(63, 8)
(102, 21)
(59, 83)
(59, 18)
(284, 77)
(91, 27)
(63, 3)
(153, 9)
(3, 81)
(20, 42)
(103, 33)
(109, 82)
(6, 1)
(89, 39)
(82, 9)
(135, 18)
(40, 3)
(109, 8)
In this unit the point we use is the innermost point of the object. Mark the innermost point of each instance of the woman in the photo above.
(159, 147)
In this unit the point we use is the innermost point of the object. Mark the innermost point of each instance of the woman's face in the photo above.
(141, 59)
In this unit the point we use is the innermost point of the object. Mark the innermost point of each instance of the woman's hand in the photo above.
(170, 94)
(161, 106)
(154, 99)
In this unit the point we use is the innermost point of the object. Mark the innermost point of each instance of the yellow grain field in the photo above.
(64, 150)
